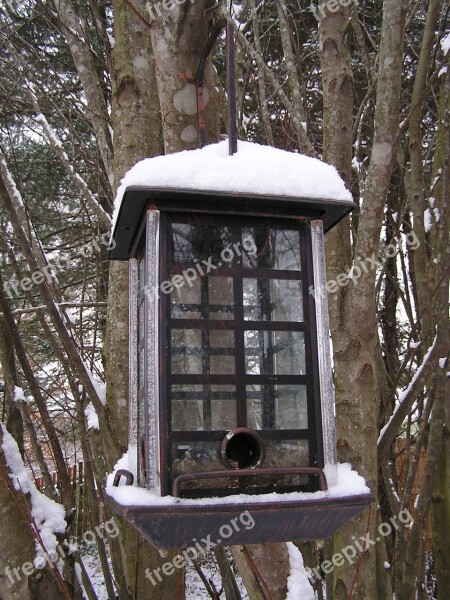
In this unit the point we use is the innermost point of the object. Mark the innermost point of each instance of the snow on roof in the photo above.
(255, 169)
(349, 483)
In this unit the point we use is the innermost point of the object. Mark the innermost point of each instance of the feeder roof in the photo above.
(257, 172)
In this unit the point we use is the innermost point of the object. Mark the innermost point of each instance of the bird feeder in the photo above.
(231, 396)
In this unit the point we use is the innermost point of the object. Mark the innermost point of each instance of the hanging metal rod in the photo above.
(228, 25)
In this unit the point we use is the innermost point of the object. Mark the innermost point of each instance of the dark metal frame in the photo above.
(141, 335)
(314, 432)
(303, 518)
(138, 199)
(176, 525)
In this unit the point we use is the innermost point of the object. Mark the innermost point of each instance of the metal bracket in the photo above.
(123, 473)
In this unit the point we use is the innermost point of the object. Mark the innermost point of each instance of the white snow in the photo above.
(349, 483)
(40, 118)
(48, 515)
(19, 396)
(445, 43)
(93, 566)
(442, 362)
(427, 219)
(393, 490)
(70, 316)
(442, 71)
(299, 587)
(111, 39)
(431, 214)
(99, 387)
(195, 588)
(254, 169)
(91, 417)
(9, 181)
(101, 391)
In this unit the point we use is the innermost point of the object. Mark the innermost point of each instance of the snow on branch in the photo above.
(298, 583)
(76, 179)
(406, 399)
(48, 515)
(48, 293)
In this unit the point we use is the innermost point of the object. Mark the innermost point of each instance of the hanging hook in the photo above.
(228, 25)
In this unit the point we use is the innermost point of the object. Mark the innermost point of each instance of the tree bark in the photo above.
(137, 126)
(179, 37)
(83, 58)
(353, 310)
(292, 72)
(16, 343)
(264, 569)
(424, 283)
(265, 117)
(440, 499)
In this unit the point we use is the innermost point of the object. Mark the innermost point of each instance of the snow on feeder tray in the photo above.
(231, 397)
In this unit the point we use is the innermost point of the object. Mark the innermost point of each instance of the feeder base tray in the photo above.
(178, 525)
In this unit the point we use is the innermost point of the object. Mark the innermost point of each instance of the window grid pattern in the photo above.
(238, 342)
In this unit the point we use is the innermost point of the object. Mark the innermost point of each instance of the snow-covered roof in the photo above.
(255, 171)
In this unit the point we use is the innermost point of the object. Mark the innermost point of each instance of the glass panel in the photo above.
(277, 407)
(287, 453)
(191, 457)
(195, 457)
(274, 352)
(273, 300)
(141, 323)
(196, 351)
(141, 368)
(204, 298)
(203, 407)
(271, 248)
(195, 243)
(141, 274)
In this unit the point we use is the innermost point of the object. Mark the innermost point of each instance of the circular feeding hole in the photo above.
(242, 448)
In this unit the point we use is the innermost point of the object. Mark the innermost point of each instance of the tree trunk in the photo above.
(179, 37)
(437, 271)
(264, 569)
(424, 283)
(352, 309)
(137, 129)
(75, 29)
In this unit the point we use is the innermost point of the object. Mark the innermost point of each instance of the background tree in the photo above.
(86, 90)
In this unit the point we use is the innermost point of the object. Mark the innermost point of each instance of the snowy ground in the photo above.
(298, 585)
(195, 590)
